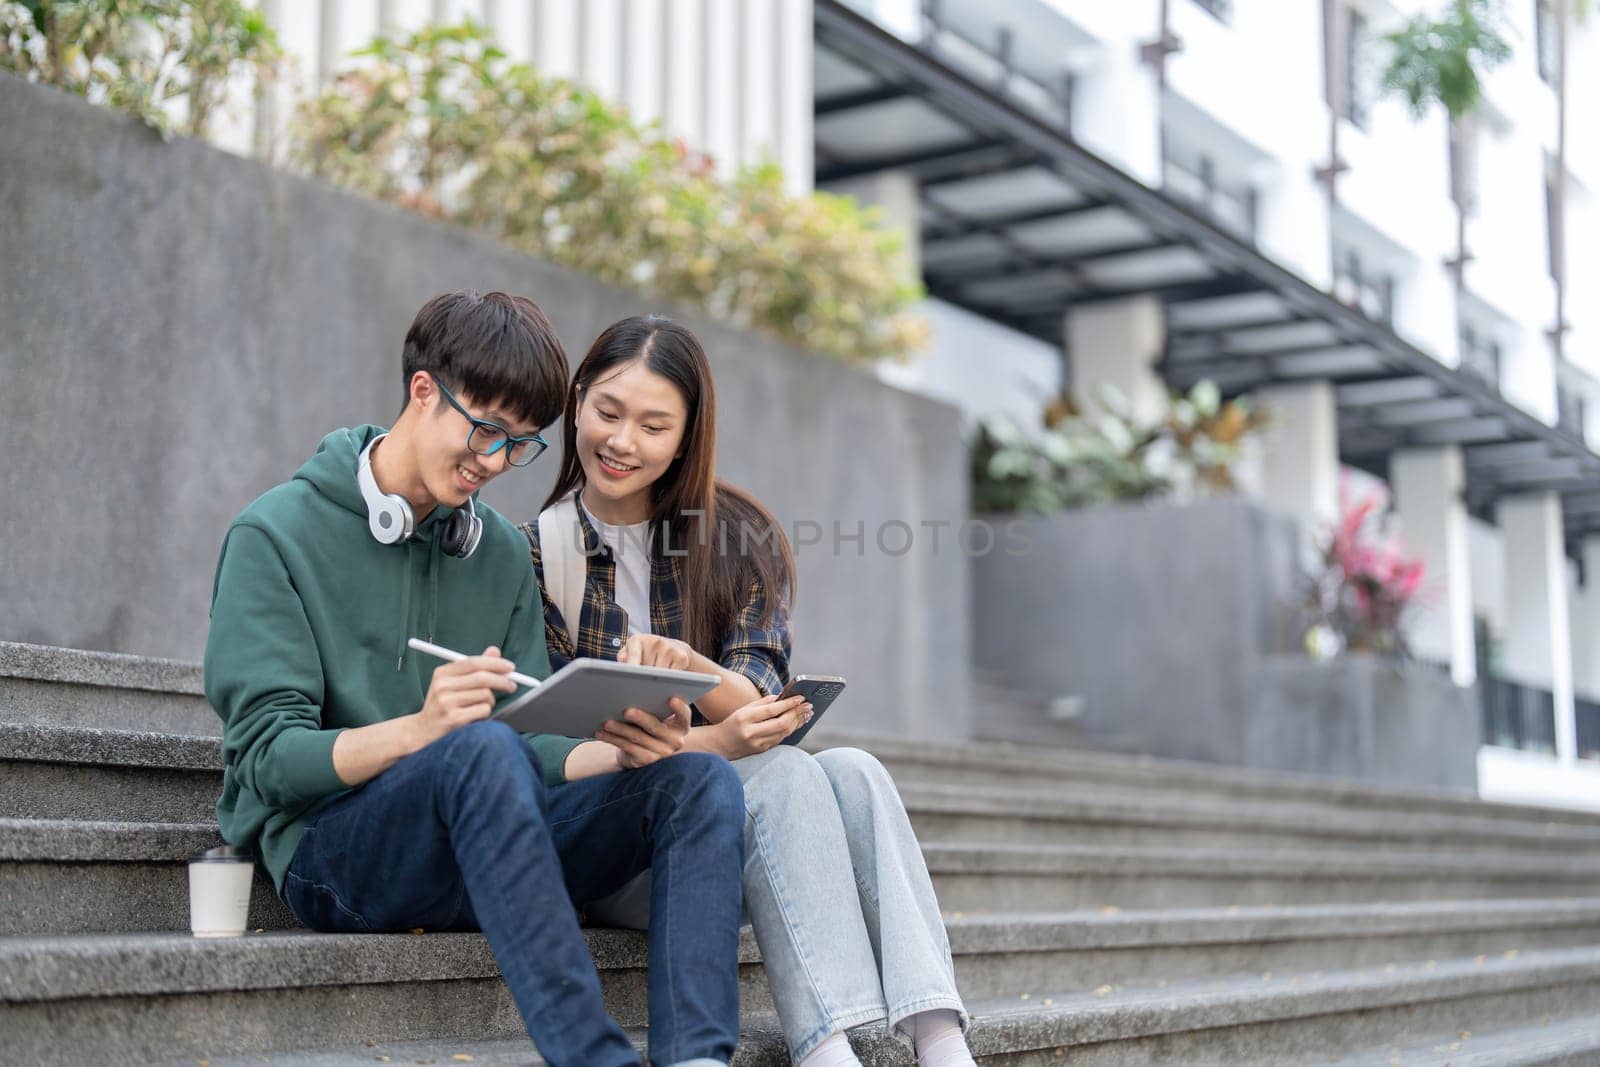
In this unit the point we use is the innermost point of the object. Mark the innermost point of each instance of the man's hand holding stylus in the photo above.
(459, 693)
(462, 692)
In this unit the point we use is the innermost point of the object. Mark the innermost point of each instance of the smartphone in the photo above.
(820, 690)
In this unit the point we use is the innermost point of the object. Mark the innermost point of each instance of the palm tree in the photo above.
(1443, 61)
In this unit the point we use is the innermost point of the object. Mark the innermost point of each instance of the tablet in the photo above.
(577, 699)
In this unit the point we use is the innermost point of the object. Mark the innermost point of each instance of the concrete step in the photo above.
(1565, 1044)
(1287, 1019)
(1113, 775)
(322, 988)
(1277, 1020)
(1080, 951)
(61, 876)
(72, 877)
(1009, 878)
(44, 685)
(78, 773)
(56, 686)
(1549, 1043)
(173, 973)
(1568, 1043)
(1036, 815)
(69, 772)
(74, 687)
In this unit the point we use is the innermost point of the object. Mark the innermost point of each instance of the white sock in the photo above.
(834, 1052)
(937, 1037)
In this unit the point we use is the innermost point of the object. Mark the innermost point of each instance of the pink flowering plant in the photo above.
(1367, 585)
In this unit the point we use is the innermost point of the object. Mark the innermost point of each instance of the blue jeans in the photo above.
(838, 893)
(464, 835)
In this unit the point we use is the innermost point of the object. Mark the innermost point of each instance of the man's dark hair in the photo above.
(498, 349)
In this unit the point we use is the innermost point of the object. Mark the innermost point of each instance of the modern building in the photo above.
(1182, 190)
(1152, 192)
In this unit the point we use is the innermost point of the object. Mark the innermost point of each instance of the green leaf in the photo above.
(1443, 61)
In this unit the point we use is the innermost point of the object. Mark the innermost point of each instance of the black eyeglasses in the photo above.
(486, 438)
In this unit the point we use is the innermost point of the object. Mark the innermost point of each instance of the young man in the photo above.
(366, 775)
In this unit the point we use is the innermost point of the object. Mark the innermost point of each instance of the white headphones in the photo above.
(391, 522)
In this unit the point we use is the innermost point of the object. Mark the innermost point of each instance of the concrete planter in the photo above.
(1364, 718)
(1171, 624)
(1156, 615)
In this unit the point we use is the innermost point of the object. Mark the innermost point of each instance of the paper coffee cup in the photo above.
(219, 891)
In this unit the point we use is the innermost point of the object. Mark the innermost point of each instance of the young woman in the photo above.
(664, 565)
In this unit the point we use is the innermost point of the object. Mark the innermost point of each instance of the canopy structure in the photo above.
(1019, 223)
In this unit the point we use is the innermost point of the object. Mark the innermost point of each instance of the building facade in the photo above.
(1268, 119)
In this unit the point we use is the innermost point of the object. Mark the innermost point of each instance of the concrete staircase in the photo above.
(1103, 909)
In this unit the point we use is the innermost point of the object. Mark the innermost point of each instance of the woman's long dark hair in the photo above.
(737, 542)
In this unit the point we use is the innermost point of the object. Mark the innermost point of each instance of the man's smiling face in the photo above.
(450, 471)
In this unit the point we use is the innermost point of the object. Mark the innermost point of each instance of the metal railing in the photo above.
(1569, 410)
(1481, 356)
(1576, 390)
(1233, 209)
(1518, 716)
(1524, 716)
(1587, 713)
(1372, 295)
(993, 62)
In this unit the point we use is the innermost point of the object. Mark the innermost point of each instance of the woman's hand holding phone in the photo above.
(761, 724)
(641, 739)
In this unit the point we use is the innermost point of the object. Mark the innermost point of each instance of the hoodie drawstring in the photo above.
(435, 565)
(405, 615)
(431, 614)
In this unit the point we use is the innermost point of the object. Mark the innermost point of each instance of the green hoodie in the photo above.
(309, 621)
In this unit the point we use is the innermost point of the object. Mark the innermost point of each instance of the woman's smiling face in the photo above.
(630, 428)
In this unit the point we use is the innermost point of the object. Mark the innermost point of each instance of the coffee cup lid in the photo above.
(223, 854)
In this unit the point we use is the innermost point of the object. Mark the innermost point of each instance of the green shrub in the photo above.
(1086, 460)
(444, 123)
(139, 56)
(1444, 60)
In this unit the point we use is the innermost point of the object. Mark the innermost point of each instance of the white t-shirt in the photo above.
(630, 547)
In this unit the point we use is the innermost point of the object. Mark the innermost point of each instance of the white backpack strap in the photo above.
(566, 565)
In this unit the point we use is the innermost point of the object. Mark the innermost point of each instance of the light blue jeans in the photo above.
(838, 893)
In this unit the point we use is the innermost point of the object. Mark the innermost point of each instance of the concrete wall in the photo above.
(180, 327)
(1361, 718)
(1157, 616)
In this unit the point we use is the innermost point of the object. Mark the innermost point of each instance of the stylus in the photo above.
(444, 653)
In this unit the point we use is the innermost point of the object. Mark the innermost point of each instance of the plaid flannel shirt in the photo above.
(759, 652)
